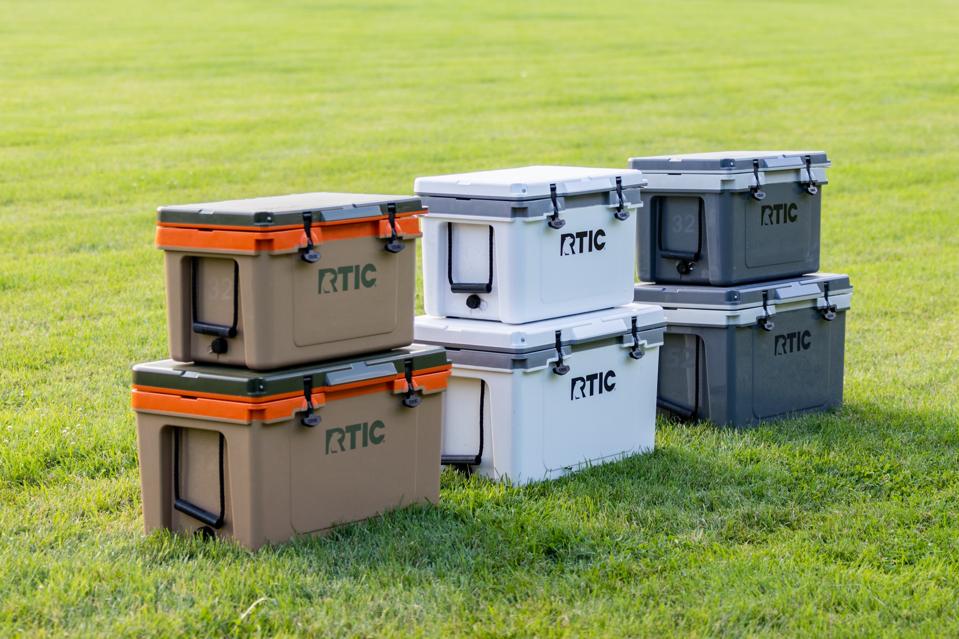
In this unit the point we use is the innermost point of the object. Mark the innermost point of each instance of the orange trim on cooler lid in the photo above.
(278, 407)
(286, 238)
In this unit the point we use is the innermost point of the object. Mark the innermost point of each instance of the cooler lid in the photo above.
(728, 161)
(286, 210)
(522, 338)
(527, 183)
(224, 380)
(743, 295)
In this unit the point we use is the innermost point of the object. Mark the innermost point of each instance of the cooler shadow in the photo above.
(727, 486)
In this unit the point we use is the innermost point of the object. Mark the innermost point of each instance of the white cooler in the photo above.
(536, 401)
(525, 244)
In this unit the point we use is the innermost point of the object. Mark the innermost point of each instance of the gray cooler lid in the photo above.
(527, 183)
(225, 380)
(523, 338)
(743, 295)
(728, 161)
(286, 210)
(523, 346)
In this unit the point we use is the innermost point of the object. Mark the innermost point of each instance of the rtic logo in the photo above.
(339, 440)
(347, 278)
(592, 384)
(588, 241)
(784, 213)
(792, 342)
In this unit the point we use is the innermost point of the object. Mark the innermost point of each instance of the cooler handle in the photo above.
(686, 259)
(471, 460)
(220, 331)
(681, 411)
(467, 287)
(684, 412)
(360, 372)
(189, 508)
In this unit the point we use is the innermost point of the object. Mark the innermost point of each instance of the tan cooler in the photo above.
(260, 458)
(277, 281)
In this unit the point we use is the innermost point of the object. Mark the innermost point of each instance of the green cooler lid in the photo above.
(286, 210)
(224, 380)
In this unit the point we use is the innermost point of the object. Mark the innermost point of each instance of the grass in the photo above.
(834, 525)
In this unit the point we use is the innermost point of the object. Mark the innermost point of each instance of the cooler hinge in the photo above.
(393, 245)
(559, 366)
(307, 253)
(310, 418)
(765, 322)
(757, 190)
(621, 212)
(554, 220)
(810, 185)
(410, 399)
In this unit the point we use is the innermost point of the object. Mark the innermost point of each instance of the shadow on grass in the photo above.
(703, 488)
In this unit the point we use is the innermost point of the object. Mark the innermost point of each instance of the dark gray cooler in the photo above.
(741, 355)
(730, 217)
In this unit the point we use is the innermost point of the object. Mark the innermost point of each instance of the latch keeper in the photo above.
(637, 351)
(410, 399)
(307, 253)
(393, 245)
(554, 220)
(757, 190)
(310, 418)
(828, 312)
(766, 322)
(559, 366)
(810, 185)
(621, 212)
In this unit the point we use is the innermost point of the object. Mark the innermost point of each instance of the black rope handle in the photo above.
(189, 508)
(220, 331)
(467, 287)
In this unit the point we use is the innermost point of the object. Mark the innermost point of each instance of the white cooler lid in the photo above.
(527, 183)
(576, 329)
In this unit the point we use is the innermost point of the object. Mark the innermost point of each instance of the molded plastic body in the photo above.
(724, 366)
(369, 453)
(537, 272)
(710, 227)
(525, 244)
(357, 298)
(509, 414)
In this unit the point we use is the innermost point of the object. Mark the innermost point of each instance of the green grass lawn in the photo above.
(834, 525)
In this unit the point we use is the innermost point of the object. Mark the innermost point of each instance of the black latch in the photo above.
(828, 311)
(310, 418)
(637, 351)
(757, 189)
(555, 222)
(559, 366)
(307, 253)
(393, 245)
(766, 321)
(410, 398)
(811, 185)
(621, 212)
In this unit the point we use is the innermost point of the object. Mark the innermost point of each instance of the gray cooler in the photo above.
(744, 354)
(730, 217)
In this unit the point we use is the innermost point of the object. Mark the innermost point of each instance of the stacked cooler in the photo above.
(729, 244)
(528, 283)
(295, 400)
